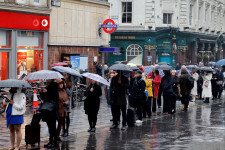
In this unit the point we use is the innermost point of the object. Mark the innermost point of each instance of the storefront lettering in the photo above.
(150, 47)
(125, 37)
(165, 54)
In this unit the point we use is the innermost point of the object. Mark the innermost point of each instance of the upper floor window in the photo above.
(21, 1)
(191, 15)
(126, 12)
(167, 18)
(36, 1)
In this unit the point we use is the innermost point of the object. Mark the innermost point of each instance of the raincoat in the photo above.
(207, 91)
(156, 82)
(194, 90)
(148, 87)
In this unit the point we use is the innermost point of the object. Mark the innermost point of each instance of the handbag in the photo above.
(219, 82)
(47, 106)
(206, 84)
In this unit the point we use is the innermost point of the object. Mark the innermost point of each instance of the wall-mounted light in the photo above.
(213, 31)
(200, 28)
(206, 30)
(149, 27)
(218, 32)
(185, 28)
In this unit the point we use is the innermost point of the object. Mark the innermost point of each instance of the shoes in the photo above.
(63, 132)
(93, 129)
(139, 121)
(89, 130)
(206, 101)
(185, 109)
(111, 120)
(114, 126)
(47, 145)
(123, 128)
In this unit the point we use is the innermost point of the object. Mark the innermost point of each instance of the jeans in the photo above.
(116, 117)
(138, 107)
(51, 123)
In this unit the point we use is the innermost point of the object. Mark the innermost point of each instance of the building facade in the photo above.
(23, 37)
(76, 35)
(173, 31)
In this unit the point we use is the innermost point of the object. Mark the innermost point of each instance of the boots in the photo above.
(206, 100)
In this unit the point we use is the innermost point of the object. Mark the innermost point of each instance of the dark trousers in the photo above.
(131, 101)
(138, 107)
(60, 123)
(51, 123)
(214, 90)
(154, 105)
(220, 91)
(167, 103)
(173, 103)
(200, 92)
(159, 99)
(66, 122)
(185, 101)
(147, 109)
(116, 117)
(92, 119)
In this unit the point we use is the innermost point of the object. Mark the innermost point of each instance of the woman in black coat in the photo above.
(175, 95)
(92, 104)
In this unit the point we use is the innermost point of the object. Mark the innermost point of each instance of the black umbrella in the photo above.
(163, 67)
(206, 69)
(120, 67)
(134, 68)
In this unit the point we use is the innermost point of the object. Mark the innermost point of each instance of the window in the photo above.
(36, 1)
(21, 1)
(134, 54)
(126, 12)
(167, 18)
(191, 15)
(199, 16)
(212, 18)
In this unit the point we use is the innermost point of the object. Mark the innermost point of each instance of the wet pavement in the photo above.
(202, 127)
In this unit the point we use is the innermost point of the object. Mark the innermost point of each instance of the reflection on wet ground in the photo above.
(201, 128)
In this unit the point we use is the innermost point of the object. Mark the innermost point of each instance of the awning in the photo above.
(207, 41)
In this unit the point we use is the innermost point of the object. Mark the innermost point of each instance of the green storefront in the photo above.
(165, 45)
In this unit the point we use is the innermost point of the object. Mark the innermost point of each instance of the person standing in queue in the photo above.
(50, 94)
(147, 105)
(139, 94)
(214, 84)
(194, 91)
(167, 88)
(156, 83)
(219, 83)
(175, 95)
(200, 84)
(15, 109)
(92, 104)
(207, 86)
(185, 89)
(119, 86)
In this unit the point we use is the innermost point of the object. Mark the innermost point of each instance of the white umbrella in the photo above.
(67, 70)
(96, 77)
(14, 83)
(44, 74)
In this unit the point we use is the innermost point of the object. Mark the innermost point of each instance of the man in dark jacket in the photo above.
(220, 79)
(118, 87)
(167, 88)
(185, 91)
(200, 84)
(175, 95)
(215, 88)
(99, 69)
(138, 94)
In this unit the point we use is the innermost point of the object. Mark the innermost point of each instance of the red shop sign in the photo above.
(23, 21)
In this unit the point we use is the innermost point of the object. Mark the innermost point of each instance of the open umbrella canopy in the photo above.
(59, 64)
(163, 63)
(96, 77)
(212, 63)
(44, 74)
(14, 83)
(163, 67)
(206, 69)
(131, 64)
(220, 62)
(192, 66)
(122, 67)
(148, 69)
(67, 70)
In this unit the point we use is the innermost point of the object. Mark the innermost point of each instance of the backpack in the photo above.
(190, 83)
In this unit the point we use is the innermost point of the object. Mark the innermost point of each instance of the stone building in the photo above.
(75, 34)
(173, 31)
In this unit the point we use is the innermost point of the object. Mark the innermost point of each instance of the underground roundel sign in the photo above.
(109, 26)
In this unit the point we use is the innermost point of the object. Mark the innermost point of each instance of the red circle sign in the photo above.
(113, 26)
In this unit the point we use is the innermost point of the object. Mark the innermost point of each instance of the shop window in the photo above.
(5, 39)
(126, 12)
(29, 61)
(36, 1)
(167, 18)
(134, 54)
(4, 65)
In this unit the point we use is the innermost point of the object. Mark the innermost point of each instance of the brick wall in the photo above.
(54, 54)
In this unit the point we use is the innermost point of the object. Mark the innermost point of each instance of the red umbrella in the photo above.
(59, 64)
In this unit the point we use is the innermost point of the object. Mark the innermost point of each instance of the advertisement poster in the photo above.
(84, 63)
(75, 62)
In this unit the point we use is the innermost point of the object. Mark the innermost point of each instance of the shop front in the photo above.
(23, 44)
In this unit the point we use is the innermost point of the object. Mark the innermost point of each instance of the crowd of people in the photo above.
(140, 91)
(144, 91)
